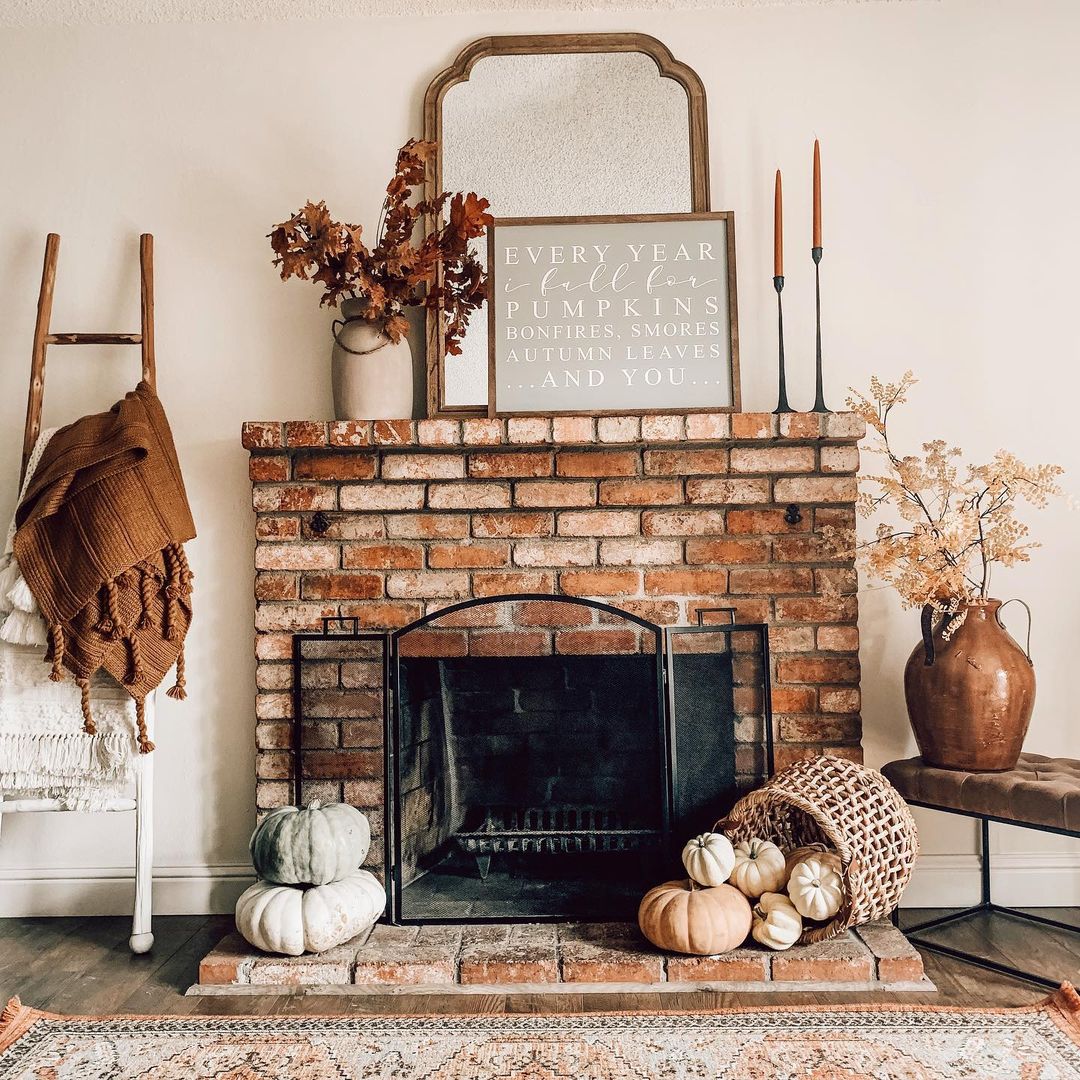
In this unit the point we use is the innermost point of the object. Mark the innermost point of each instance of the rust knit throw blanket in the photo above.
(99, 542)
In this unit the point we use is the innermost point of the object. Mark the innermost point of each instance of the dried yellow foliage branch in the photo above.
(956, 521)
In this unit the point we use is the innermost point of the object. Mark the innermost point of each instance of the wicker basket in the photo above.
(848, 807)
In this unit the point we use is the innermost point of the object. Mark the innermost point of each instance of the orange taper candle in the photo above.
(778, 230)
(817, 194)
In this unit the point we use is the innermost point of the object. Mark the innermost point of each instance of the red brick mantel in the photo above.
(658, 515)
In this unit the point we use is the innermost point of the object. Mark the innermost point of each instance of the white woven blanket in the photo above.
(44, 751)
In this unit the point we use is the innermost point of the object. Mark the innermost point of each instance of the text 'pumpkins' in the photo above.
(313, 846)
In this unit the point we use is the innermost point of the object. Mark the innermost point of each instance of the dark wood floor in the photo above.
(82, 965)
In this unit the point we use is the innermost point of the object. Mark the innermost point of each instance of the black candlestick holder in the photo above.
(819, 398)
(782, 405)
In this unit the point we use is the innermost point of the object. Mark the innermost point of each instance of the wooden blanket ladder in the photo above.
(142, 937)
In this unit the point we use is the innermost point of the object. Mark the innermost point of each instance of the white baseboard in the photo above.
(109, 890)
(1020, 880)
(1040, 879)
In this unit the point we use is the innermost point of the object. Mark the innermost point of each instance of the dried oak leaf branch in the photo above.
(440, 272)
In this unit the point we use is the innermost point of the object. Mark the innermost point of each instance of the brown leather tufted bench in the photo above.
(1041, 793)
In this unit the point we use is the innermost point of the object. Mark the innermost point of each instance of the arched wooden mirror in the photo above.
(560, 124)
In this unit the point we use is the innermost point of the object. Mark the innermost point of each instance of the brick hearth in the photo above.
(578, 958)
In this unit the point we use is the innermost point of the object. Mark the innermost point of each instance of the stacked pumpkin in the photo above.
(711, 911)
(311, 894)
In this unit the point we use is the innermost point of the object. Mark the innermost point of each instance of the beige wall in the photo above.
(951, 162)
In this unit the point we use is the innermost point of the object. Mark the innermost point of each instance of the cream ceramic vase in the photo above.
(372, 377)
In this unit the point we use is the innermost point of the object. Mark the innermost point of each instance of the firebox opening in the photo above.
(530, 786)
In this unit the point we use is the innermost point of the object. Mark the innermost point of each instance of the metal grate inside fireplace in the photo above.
(541, 753)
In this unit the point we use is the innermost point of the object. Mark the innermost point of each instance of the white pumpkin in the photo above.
(759, 868)
(709, 858)
(313, 846)
(820, 850)
(292, 920)
(777, 923)
(816, 887)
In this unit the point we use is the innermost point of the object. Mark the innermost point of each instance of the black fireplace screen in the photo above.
(546, 756)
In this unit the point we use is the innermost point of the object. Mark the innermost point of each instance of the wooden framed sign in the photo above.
(618, 314)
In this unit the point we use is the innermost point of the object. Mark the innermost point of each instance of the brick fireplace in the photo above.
(387, 522)
(661, 516)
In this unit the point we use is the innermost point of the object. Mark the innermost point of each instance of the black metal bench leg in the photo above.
(914, 935)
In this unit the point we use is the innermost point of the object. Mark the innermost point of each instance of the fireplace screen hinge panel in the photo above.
(719, 707)
(341, 703)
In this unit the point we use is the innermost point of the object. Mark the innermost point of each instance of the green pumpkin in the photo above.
(313, 846)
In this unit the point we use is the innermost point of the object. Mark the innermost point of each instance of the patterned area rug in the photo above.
(844, 1043)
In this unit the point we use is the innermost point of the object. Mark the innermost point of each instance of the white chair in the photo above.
(142, 937)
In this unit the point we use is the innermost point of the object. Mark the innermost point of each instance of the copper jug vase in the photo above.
(970, 698)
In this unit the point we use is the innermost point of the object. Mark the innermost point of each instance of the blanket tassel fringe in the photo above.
(145, 745)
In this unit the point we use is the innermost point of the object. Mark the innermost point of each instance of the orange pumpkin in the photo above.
(679, 916)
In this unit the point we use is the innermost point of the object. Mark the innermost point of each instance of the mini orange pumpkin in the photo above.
(678, 916)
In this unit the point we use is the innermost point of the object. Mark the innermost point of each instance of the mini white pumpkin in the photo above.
(313, 846)
(709, 858)
(759, 868)
(777, 923)
(292, 920)
(816, 887)
(820, 850)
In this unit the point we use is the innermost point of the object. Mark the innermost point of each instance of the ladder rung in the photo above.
(93, 339)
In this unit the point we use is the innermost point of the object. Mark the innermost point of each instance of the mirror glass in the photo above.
(561, 134)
